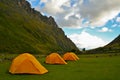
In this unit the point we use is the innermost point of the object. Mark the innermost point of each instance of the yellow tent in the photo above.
(55, 58)
(70, 56)
(26, 64)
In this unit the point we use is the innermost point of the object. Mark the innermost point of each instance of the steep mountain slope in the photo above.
(115, 43)
(112, 47)
(23, 29)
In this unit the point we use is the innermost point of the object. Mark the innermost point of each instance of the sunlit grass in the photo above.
(87, 68)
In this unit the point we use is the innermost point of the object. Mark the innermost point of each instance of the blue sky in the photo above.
(88, 23)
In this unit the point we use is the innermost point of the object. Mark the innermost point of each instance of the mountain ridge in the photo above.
(115, 41)
(112, 47)
(23, 29)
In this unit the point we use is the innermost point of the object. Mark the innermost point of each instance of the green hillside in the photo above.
(23, 29)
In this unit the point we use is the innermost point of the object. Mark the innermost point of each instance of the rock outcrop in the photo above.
(23, 29)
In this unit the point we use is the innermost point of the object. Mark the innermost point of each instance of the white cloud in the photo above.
(44, 1)
(97, 12)
(86, 40)
(118, 19)
(52, 7)
(105, 29)
(114, 25)
(68, 16)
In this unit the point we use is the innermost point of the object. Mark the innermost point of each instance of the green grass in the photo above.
(87, 68)
(23, 31)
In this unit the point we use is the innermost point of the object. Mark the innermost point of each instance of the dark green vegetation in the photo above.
(89, 67)
(23, 29)
(112, 47)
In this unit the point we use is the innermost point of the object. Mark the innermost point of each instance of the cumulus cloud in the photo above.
(105, 29)
(43, 0)
(118, 19)
(98, 12)
(114, 25)
(86, 40)
(82, 13)
(71, 13)
(52, 7)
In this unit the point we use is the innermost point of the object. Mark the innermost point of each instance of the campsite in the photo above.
(59, 39)
(88, 67)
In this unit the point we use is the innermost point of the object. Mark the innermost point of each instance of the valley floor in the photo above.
(89, 67)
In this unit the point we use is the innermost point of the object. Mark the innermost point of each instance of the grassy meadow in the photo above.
(89, 67)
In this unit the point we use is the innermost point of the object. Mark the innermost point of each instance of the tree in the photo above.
(83, 49)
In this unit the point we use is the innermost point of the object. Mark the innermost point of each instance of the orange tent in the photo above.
(55, 58)
(26, 64)
(70, 56)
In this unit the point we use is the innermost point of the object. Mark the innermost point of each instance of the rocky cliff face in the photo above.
(23, 29)
(26, 5)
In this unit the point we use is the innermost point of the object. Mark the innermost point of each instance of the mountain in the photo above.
(112, 47)
(115, 43)
(23, 29)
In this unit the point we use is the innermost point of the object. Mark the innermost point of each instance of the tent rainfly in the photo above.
(26, 64)
(55, 58)
(70, 56)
